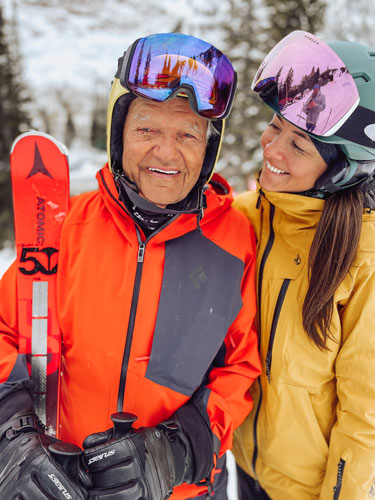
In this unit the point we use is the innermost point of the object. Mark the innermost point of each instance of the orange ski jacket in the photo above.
(148, 323)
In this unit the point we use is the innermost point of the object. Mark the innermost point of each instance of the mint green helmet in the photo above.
(357, 135)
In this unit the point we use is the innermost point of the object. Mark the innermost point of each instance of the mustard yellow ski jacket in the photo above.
(311, 433)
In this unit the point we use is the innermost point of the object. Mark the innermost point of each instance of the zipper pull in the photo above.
(257, 486)
(261, 193)
(268, 365)
(141, 251)
(340, 472)
(141, 245)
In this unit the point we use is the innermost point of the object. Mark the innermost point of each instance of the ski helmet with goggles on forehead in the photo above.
(343, 128)
(161, 66)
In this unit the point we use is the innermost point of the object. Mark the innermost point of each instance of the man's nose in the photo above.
(166, 148)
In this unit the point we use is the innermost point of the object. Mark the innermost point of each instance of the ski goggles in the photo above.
(313, 87)
(160, 66)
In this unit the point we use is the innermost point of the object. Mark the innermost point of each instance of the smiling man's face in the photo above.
(164, 149)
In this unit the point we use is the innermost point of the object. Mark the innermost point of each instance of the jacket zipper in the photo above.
(261, 193)
(135, 297)
(276, 314)
(340, 473)
(133, 310)
(265, 255)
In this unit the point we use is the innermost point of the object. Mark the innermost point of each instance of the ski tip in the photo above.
(63, 149)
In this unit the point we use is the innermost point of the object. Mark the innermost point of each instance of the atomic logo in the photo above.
(38, 166)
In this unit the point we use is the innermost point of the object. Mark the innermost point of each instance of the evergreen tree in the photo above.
(243, 38)
(291, 15)
(70, 130)
(98, 127)
(13, 121)
(98, 133)
(346, 20)
(250, 33)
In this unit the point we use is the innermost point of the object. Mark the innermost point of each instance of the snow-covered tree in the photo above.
(13, 119)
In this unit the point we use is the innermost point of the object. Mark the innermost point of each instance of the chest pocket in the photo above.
(200, 298)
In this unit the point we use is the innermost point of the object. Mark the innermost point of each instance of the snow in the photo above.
(7, 255)
(232, 479)
(69, 45)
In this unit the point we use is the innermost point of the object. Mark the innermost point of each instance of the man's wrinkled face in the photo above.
(164, 148)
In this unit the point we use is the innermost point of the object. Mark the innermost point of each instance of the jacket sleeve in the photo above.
(14, 375)
(350, 468)
(224, 400)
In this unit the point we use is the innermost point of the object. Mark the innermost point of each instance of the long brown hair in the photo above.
(331, 255)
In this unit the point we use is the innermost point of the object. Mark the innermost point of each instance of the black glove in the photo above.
(34, 466)
(131, 464)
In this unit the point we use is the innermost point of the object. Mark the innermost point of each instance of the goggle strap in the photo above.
(119, 66)
(123, 70)
(354, 128)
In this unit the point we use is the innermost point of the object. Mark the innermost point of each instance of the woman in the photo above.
(311, 434)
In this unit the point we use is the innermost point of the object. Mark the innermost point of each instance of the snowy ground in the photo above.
(7, 255)
(232, 483)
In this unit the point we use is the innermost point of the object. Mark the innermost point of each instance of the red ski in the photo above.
(40, 182)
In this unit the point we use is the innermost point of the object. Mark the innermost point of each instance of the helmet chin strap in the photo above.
(347, 176)
(344, 175)
(341, 173)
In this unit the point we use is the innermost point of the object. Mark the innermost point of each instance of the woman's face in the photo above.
(291, 162)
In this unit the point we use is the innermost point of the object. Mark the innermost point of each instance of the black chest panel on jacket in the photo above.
(200, 298)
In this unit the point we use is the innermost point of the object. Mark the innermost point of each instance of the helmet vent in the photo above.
(360, 78)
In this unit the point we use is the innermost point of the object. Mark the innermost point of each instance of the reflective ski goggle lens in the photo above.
(157, 66)
(314, 88)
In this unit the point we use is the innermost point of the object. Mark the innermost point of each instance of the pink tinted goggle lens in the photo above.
(314, 88)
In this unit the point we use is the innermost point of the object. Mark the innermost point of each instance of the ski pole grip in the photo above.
(67, 456)
(122, 423)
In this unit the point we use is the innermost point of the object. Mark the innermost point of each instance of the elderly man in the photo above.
(155, 299)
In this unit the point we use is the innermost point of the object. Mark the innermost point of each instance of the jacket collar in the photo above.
(294, 209)
(218, 196)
